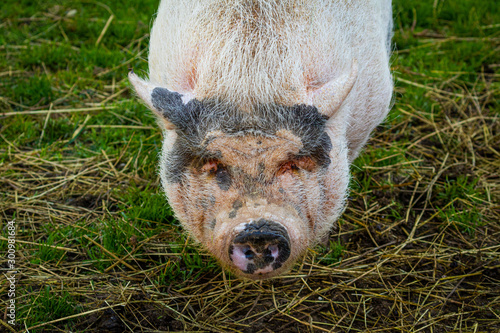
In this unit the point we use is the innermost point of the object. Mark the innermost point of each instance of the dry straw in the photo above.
(412, 273)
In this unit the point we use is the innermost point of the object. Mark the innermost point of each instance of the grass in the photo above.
(45, 307)
(98, 248)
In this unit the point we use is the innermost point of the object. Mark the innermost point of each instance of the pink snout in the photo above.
(261, 247)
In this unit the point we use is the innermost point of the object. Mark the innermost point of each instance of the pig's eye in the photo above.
(214, 168)
(210, 167)
(297, 164)
(219, 173)
(288, 167)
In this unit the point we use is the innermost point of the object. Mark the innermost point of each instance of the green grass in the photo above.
(49, 304)
(148, 206)
(186, 267)
(332, 253)
(419, 233)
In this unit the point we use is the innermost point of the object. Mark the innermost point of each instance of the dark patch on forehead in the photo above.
(194, 120)
(212, 224)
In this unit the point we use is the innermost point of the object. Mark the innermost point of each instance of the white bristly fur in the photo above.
(271, 51)
(249, 54)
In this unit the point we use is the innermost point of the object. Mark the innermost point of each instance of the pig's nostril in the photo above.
(249, 254)
(274, 250)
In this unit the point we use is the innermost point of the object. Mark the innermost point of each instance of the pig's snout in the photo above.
(260, 247)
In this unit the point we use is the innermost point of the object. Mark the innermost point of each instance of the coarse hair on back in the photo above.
(258, 51)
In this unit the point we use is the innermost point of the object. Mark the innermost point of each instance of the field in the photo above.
(97, 248)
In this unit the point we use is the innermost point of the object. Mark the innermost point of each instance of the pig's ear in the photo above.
(163, 102)
(331, 95)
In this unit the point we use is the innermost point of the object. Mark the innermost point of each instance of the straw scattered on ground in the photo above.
(417, 249)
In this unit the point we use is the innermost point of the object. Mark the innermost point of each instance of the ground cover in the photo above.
(97, 248)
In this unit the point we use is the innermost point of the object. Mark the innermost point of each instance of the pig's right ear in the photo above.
(329, 97)
(164, 103)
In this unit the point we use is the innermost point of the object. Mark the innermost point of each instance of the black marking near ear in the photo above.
(167, 102)
(309, 125)
(194, 120)
(319, 151)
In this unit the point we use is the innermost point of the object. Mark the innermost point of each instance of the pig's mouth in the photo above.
(260, 247)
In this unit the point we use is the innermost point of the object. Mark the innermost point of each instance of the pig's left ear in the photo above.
(163, 102)
(329, 98)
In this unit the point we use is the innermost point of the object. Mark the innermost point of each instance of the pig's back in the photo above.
(262, 52)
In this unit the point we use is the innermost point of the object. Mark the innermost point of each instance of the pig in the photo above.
(264, 104)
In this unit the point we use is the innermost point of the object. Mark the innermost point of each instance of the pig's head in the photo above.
(255, 188)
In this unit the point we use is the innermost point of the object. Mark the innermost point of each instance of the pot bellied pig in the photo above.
(263, 105)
